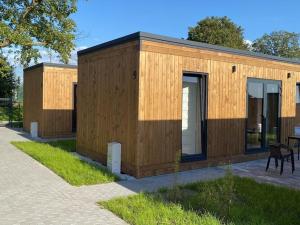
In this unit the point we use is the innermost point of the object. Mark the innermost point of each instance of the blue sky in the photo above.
(102, 20)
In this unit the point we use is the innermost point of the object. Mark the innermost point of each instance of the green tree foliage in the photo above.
(8, 80)
(218, 31)
(26, 25)
(280, 43)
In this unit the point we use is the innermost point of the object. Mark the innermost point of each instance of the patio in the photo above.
(256, 170)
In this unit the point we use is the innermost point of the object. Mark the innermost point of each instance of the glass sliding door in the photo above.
(263, 114)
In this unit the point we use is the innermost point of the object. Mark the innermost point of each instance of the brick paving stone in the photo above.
(32, 194)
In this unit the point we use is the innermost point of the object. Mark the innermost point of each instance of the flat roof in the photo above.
(43, 64)
(186, 43)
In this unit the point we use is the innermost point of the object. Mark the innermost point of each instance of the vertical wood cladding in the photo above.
(58, 100)
(48, 99)
(161, 70)
(107, 103)
(33, 97)
(144, 113)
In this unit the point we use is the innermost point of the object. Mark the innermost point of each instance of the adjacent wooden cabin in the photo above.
(173, 102)
(50, 99)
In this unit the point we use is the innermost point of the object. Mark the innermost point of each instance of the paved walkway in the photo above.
(32, 194)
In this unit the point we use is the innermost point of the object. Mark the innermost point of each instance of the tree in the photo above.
(8, 80)
(280, 43)
(26, 25)
(218, 31)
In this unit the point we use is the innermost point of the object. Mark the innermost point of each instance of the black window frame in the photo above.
(74, 110)
(203, 78)
(264, 147)
(297, 85)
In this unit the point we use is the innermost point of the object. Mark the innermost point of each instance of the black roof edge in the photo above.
(43, 64)
(186, 43)
(111, 43)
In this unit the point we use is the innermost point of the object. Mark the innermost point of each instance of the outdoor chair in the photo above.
(281, 152)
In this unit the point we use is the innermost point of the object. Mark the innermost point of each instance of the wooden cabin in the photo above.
(175, 103)
(50, 99)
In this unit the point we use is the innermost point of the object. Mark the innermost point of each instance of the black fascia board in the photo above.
(43, 64)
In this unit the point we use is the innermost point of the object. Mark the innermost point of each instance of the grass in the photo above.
(58, 157)
(148, 209)
(250, 203)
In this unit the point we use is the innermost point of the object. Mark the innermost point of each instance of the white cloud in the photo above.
(50, 56)
(248, 42)
(45, 57)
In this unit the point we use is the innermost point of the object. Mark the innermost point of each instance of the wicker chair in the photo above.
(281, 152)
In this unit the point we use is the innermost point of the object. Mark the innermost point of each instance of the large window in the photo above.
(263, 121)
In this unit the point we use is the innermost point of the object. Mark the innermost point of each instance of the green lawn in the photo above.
(231, 200)
(57, 156)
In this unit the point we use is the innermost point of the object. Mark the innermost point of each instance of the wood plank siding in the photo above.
(33, 98)
(144, 114)
(48, 99)
(107, 103)
(160, 79)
